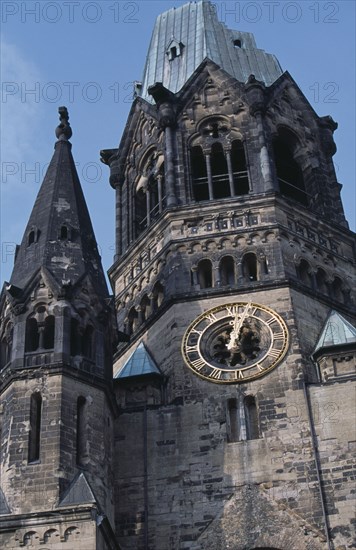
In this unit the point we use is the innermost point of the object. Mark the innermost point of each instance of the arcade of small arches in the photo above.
(227, 271)
(31, 538)
(316, 278)
(40, 335)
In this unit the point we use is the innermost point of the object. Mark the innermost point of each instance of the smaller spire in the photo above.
(63, 130)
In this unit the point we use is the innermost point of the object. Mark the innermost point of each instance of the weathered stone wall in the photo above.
(195, 478)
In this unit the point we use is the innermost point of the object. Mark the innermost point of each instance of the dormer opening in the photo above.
(63, 235)
(31, 237)
(237, 43)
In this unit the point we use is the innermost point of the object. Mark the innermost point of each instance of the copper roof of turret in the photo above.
(59, 235)
(183, 37)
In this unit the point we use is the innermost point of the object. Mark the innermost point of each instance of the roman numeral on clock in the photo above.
(216, 374)
(198, 364)
(274, 353)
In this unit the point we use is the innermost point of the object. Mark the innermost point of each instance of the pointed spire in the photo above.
(59, 235)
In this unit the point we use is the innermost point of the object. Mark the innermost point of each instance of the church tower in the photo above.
(57, 412)
(233, 274)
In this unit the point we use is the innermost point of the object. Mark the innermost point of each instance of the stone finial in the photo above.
(63, 130)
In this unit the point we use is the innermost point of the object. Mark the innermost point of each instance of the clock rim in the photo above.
(255, 376)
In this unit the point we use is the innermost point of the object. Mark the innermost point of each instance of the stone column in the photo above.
(159, 187)
(210, 177)
(231, 175)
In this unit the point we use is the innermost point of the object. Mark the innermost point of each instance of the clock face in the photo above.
(235, 343)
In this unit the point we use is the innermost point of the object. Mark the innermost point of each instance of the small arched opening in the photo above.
(145, 308)
(157, 296)
(321, 283)
(132, 321)
(205, 274)
(249, 267)
(227, 271)
(304, 273)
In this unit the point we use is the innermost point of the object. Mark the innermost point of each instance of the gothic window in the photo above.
(81, 425)
(239, 168)
(48, 333)
(157, 296)
(227, 271)
(304, 273)
(321, 281)
(251, 418)
(35, 427)
(32, 335)
(199, 174)
(205, 274)
(140, 210)
(249, 267)
(232, 421)
(145, 308)
(88, 342)
(289, 174)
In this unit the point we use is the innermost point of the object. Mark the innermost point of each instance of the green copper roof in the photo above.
(183, 37)
(138, 364)
(336, 332)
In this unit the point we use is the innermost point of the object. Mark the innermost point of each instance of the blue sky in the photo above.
(86, 55)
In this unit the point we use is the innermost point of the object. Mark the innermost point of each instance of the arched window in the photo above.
(75, 338)
(205, 274)
(157, 296)
(81, 427)
(145, 308)
(321, 283)
(239, 168)
(336, 290)
(219, 171)
(304, 273)
(6, 345)
(227, 271)
(34, 439)
(289, 174)
(88, 342)
(132, 320)
(48, 336)
(249, 267)
(232, 421)
(32, 335)
(199, 174)
(251, 418)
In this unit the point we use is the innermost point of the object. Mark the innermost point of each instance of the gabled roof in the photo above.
(196, 26)
(59, 235)
(140, 363)
(337, 331)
